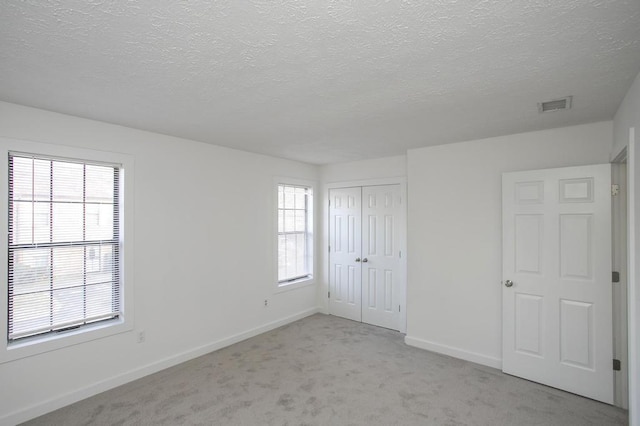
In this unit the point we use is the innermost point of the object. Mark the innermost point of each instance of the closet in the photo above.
(366, 269)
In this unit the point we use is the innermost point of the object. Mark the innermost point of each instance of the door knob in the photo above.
(365, 260)
(508, 283)
(357, 259)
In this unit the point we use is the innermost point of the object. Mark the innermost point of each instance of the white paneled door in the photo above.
(365, 226)
(381, 250)
(345, 253)
(556, 289)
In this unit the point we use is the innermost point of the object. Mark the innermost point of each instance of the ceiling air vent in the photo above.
(555, 105)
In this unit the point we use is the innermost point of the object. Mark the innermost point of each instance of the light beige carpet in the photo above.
(324, 370)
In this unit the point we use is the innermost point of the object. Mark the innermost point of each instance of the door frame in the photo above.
(619, 236)
(629, 155)
(633, 270)
(324, 288)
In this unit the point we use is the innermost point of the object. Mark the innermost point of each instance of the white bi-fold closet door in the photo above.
(365, 258)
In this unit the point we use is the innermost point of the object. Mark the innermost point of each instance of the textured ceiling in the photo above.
(321, 81)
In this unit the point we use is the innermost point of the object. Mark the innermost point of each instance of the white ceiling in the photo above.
(321, 81)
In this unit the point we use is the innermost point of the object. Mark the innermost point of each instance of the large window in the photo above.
(63, 245)
(295, 233)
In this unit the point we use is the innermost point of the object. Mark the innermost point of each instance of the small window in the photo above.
(63, 245)
(295, 233)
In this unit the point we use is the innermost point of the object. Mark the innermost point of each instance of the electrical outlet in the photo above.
(266, 302)
(142, 336)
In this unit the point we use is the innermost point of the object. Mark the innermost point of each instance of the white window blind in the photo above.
(64, 239)
(294, 233)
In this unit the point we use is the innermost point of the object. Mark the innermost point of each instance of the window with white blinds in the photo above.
(64, 245)
(295, 225)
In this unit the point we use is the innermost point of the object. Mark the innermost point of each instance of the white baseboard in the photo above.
(454, 352)
(36, 410)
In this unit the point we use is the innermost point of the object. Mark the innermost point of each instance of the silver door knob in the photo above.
(508, 283)
(357, 259)
(365, 260)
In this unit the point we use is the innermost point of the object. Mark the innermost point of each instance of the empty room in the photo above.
(320, 213)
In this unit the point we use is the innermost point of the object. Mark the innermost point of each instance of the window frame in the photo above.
(10, 351)
(311, 232)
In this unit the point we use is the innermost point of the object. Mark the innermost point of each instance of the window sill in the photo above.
(38, 345)
(293, 285)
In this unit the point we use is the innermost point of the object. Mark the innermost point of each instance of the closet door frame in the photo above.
(402, 226)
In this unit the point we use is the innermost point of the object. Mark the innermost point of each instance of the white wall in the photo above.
(626, 126)
(454, 242)
(204, 218)
(627, 116)
(378, 168)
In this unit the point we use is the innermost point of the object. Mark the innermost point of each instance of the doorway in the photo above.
(366, 267)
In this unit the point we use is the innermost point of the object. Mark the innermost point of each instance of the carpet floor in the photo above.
(324, 370)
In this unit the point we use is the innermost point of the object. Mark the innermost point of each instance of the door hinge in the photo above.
(400, 254)
(329, 249)
(398, 308)
(615, 189)
(617, 365)
(328, 295)
(615, 277)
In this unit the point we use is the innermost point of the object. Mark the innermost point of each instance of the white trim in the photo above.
(18, 350)
(295, 285)
(619, 263)
(489, 361)
(47, 406)
(366, 182)
(633, 294)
